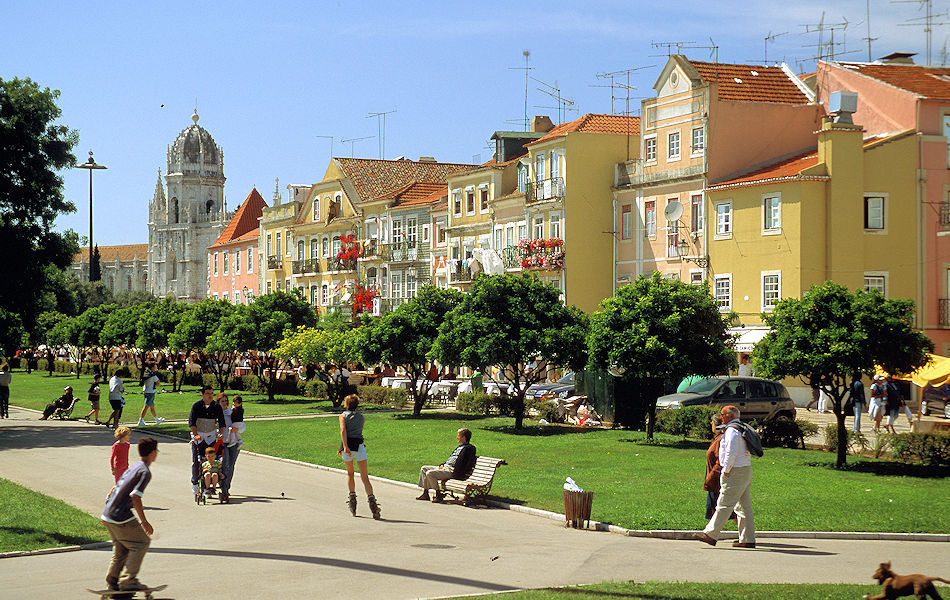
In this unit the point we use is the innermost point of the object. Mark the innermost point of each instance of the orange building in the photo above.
(232, 258)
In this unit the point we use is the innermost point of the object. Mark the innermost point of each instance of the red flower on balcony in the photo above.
(362, 298)
(542, 253)
(350, 248)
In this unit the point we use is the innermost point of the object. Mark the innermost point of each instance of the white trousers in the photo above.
(735, 494)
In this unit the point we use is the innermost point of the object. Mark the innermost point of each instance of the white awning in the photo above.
(747, 337)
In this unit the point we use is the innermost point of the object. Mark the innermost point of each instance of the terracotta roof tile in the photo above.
(751, 83)
(244, 220)
(374, 178)
(417, 193)
(125, 253)
(929, 82)
(594, 123)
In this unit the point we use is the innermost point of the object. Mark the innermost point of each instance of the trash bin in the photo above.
(577, 507)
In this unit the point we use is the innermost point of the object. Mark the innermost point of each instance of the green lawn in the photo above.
(30, 520)
(635, 485)
(653, 590)
(37, 389)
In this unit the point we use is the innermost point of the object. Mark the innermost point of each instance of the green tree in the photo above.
(120, 329)
(234, 332)
(80, 334)
(660, 330)
(196, 327)
(95, 265)
(518, 324)
(32, 149)
(153, 328)
(832, 333)
(11, 332)
(405, 337)
(321, 347)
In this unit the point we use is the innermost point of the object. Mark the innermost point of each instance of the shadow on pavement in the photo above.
(793, 549)
(44, 436)
(332, 562)
(266, 499)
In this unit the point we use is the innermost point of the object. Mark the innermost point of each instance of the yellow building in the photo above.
(846, 211)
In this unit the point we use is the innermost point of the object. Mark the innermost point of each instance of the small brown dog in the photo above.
(896, 585)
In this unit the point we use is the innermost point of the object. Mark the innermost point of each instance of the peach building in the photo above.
(895, 95)
(232, 258)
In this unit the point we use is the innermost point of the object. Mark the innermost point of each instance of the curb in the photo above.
(40, 552)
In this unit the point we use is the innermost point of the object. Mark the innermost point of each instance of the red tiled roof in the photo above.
(417, 193)
(250, 235)
(124, 253)
(244, 220)
(593, 123)
(751, 83)
(788, 168)
(374, 178)
(929, 82)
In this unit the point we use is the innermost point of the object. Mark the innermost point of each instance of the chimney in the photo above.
(842, 105)
(427, 159)
(541, 124)
(898, 58)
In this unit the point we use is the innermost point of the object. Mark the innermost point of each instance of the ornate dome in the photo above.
(194, 143)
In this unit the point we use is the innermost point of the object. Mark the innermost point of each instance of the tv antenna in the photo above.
(526, 54)
(328, 137)
(613, 76)
(769, 38)
(927, 20)
(352, 141)
(680, 46)
(563, 104)
(381, 129)
(826, 49)
(867, 19)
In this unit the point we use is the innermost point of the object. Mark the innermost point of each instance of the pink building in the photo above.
(233, 263)
(895, 95)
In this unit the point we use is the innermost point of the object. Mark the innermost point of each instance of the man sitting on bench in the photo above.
(458, 466)
(63, 403)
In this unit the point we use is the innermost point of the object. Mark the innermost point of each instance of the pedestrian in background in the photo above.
(893, 402)
(149, 382)
(116, 400)
(119, 459)
(6, 377)
(714, 468)
(878, 401)
(857, 399)
(93, 396)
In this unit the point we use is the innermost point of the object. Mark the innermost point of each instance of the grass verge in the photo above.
(30, 521)
(635, 484)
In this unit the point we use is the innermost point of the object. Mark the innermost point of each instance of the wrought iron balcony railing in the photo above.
(943, 312)
(404, 251)
(274, 262)
(341, 264)
(546, 189)
(307, 265)
(511, 257)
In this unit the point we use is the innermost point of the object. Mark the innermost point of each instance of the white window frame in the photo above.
(866, 210)
(316, 209)
(697, 276)
(674, 139)
(697, 213)
(426, 236)
(538, 227)
(649, 218)
(270, 245)
(278, 247)
(215, 264)
(440, 235)
(723, 301)
(626, 221)
(771, 217)
(539, 167)
(483, 190)
(237, 262)
(649, 149)
(225, 296)
(766, 306)
(457, 202)
(270, 286)
(412, 229)
(324, 294)
(301, 249)
(522, 230)
(879, 276)
(554, 225)
(314, 248)
(697, 149)
(250, 260)
(325, 246)
(499, 237)
(471, 200)
(724, 224)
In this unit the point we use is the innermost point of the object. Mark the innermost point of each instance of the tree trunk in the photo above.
(519, 408)
(841, 457)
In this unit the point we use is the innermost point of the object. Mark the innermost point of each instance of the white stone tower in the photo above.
(186, 217)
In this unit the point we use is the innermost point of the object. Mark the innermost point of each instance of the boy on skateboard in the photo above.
(130, 536)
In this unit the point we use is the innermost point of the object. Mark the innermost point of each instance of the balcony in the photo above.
(307, 265)
(511, 257)
(459, 272)
(340, 264)
(545, 190)
(404, 251)
(943, 312)
(945, 216)
(370, 249)
(542, 254)
(274, 262)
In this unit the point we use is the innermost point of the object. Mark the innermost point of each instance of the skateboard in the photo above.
(105, 594)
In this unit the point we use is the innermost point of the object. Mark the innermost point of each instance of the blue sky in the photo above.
(269, 78)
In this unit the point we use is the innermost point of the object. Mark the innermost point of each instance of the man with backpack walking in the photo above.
(735, 452)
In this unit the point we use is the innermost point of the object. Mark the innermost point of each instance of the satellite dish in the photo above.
(673, 211)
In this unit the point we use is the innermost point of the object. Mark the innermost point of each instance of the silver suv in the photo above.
(756, 398)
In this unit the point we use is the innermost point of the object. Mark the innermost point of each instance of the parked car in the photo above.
(539, 390)
(756, 398)
(934, 402)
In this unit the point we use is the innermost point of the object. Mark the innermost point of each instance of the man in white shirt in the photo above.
(745, 369)
(149, 382)
(736, 481)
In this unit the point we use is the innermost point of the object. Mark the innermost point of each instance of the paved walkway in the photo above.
(288, 532)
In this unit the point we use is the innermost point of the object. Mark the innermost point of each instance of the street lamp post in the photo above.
(90, 165)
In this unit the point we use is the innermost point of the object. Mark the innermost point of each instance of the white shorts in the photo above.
(359, 454)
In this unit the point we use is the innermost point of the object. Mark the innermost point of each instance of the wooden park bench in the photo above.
(478, 484)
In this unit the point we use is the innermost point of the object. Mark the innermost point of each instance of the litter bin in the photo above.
(577, 507)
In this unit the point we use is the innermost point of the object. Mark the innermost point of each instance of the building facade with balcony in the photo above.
(232, 258)
(276, 244)
(708, 122)
(894, 94)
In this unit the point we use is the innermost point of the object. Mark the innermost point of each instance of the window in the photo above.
(522, 178)
(270, 287)
(877, 281)
(695, 277)
(288, 244)
(301, 250)
(538, 167)
(278, 284)
(440, 231)
(538, 227)
(325, 246)
(699, 140)
(555, 165)
(626, 222)
(649, 218)
(315, 296)
(411, 229)
(278, 246)
(696, 202)
(649, 149)
(555, 225)
(270, 248)
(874, 212)
(426, 227)
(337, 245)
(510, 236)
(672, 234)
(499, 238)
(225, 297)
(224, 261)
(457, 202)
(325, 294)
(215, 264)
(771, 289)
(673, 149)
(483, 199)
(771, 213)
(316, 209)
(397, 231)
(396, 289)
(470, 201)
(411, 286)
(724, 218)
(522, 231)
(250, 260)
(314, 248)
(237, 262)
(723, 292)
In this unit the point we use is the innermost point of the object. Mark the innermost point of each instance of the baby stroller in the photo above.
(204, 490)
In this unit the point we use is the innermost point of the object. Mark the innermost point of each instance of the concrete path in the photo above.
(287, 532)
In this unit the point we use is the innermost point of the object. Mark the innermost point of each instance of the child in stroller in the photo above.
(211, 469)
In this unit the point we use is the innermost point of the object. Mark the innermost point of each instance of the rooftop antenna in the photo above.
(669, 47)
(943, 53)
(867, 19)
(624, 86)
(352, 141)
(927, 19)
(526, 54)
(826, 49)
(769, 38)
(381, 129)
(563, 104)
(328, 137)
